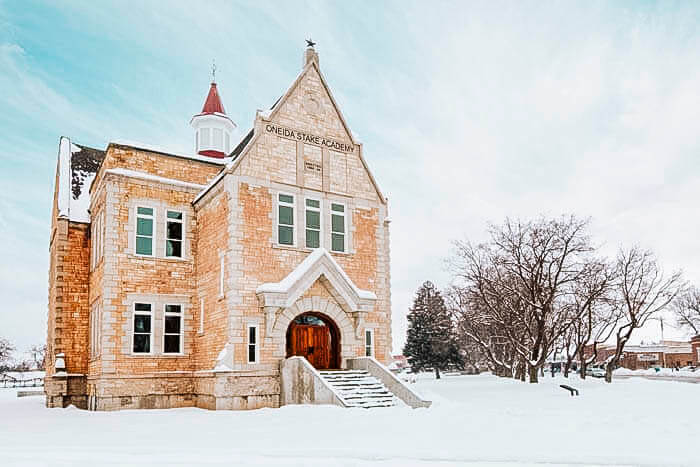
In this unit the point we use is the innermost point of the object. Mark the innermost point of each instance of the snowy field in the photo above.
(474, 420)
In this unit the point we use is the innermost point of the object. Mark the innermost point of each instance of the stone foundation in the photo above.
(210, 390)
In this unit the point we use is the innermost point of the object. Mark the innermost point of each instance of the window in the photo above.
(221, 274)
(142, 328)
(172, 333)
(369, 342)
(94, 331)
(102, 234)
(204, 138)
(218, 137)
(252, 343)
(144, 231)
(173, 234)
(97, 247)
(313, 223)
(196, 141)
(201, 316)
(227, 138)
(337, 227)
(285, 219)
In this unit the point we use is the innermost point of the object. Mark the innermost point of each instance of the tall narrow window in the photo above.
(227, 140)
(173, 234)
(144, 231)
(313, 223)
(94, 331)
(172, 334)
(337, 227)
(201, 316)
(218, 139)
(142, 327)
(204, 138)
(221, 275)
(252, 343)
(369, 342)
(102, 234)
(285, 220)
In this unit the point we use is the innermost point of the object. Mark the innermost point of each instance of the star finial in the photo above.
(213, 71)
(310, 43)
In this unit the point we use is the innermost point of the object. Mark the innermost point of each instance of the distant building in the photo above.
(667, 354)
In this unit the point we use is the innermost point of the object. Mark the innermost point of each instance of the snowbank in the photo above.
(474, 420)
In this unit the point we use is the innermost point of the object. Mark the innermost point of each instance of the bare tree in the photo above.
(6, 351)
(641, 291)
(686, 309)
(38, 353)
(522, 281)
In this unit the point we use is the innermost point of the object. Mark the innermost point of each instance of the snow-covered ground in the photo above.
(475, 420)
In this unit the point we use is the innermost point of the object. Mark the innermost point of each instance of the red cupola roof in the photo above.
(213, 103)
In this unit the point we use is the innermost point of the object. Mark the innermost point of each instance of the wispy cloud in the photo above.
(468, 111)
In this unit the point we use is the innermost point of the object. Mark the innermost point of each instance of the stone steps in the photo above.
(358, 388)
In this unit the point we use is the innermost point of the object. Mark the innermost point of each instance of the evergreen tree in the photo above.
(431, 342)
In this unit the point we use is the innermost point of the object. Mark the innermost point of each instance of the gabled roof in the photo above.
(77, 167)
(318, 264)
(248, 141)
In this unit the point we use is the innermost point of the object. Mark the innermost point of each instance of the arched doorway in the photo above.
(315, 337)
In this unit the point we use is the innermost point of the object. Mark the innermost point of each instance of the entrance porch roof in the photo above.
(319, 264)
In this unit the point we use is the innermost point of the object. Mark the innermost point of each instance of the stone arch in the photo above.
(316, 305)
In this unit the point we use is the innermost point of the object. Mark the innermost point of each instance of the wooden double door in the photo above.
(315, 339)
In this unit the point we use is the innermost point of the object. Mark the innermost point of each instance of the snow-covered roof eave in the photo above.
(64, 177)
(168, 151)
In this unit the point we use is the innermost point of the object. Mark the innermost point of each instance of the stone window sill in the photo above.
(304, 249)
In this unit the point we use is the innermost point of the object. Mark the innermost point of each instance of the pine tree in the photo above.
(431, 342)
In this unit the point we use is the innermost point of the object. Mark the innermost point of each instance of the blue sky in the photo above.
(468, 111)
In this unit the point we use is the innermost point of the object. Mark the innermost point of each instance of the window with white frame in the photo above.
(143, 332)
(313, 223)
(252, 343)
(94, 331)
(338, 227)
(285, 219)
(218, 139)
(97, 240)
(144, 231)
(172, 329)
(369, 342)
(227, 140)
(201, 316)
(174, 234)
(102, 234)
(204, 138)
(221, 274)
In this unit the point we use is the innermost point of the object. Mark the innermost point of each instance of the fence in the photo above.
(9, 381)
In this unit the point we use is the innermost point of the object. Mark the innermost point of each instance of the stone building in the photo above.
(200, 280)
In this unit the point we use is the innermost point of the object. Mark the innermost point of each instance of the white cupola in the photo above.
(213, 129)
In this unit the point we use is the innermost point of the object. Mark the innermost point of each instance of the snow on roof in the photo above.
(77, 166)
(170, 151)
(153, 178)
(298, 273)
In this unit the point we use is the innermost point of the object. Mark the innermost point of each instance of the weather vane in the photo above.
(310, 43)
(213, 70)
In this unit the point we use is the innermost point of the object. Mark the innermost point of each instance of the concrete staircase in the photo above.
(358, 388)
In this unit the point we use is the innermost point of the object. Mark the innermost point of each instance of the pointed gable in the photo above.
(309, 110)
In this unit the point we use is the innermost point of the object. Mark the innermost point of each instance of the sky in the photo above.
(468, 112)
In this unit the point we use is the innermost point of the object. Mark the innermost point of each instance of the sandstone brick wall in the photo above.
(212, 241)
(129, 278)
(68, 295)
(168, 166)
